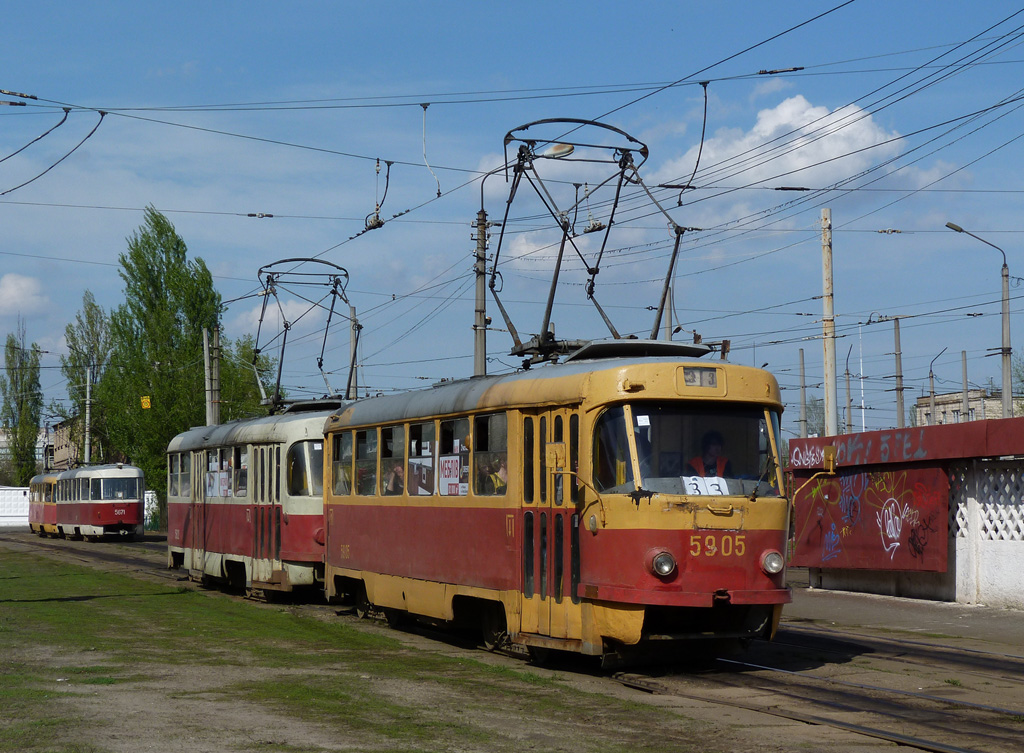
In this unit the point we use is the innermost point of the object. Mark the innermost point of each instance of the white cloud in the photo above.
(21, 295)
(771, 86)
(795, 142)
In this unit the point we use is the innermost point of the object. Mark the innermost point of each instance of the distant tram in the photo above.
(577, 506)
(245, 500)
(42, 507)
(100, 500)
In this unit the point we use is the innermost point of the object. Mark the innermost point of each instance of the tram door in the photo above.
(196, 525)
(550, 527)
(266, 510)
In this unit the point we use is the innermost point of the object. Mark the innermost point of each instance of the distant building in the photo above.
(66, 451)
(949, 408)
(42, 446)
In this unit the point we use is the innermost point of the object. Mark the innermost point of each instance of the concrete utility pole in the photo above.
(87, 453)
(211, 370)
(1005, 350)
(215, 377)
(900, 415)
(803, 397)
(480, 322)
(965, 408)
(208, 377)
(829, 327)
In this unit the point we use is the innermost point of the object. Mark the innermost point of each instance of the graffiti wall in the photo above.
(873, 519)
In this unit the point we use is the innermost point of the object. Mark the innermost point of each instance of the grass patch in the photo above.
(96, 631)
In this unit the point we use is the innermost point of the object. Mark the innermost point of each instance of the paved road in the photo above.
(1003, 627)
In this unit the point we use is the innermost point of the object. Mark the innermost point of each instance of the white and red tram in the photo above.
(100, 500)
(245, 499)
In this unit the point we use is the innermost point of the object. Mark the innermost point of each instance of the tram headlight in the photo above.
(772, 562)
(661, 562)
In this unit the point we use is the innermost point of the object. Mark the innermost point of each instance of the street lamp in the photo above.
(1007, 379)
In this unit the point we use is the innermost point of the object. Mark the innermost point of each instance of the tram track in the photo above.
(915, 719)
(963, 659)
(870, 686)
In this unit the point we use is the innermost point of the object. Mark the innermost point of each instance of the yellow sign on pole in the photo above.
(145, 402)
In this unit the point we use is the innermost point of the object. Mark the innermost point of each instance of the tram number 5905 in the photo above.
(710, 545)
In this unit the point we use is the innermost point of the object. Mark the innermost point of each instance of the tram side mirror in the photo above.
(829, 458)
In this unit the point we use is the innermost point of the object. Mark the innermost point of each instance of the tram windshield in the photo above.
(687, 449)
(115, 488)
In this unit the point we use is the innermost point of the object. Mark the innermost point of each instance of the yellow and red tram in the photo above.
(560, 507)
(42, 505)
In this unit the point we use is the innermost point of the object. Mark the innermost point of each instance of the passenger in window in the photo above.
(499, 477)
(395, 481)
(710, 462)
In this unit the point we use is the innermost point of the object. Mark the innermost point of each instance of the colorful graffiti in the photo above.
(882, 520)
(900, 446)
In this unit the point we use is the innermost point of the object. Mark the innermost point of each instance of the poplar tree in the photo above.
(88, 342)
(153, 384)
(22, 404)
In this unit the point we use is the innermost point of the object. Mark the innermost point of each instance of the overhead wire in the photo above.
(68, 154)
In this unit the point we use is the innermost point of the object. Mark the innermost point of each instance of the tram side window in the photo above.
(392, 460)
(172, 474)
(366, 462)
(241, 463)
(421, 459)
(453, 464)
(212, 473)
(341, 463)
(490, 454)
(528, 459)
(185, 481)
(612, 467)
(305, 468)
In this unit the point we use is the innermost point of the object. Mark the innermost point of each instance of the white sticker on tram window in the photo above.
(643, 420)
(714, 486)
(449, 475)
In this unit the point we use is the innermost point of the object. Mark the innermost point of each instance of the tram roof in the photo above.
(107, 470)
(562, 383)
(301, 422)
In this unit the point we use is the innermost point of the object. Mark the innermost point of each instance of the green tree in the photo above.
(88, 341)
(153, 386)
(22, 404)
(240, 393)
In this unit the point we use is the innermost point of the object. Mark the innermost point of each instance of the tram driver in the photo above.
(711, 462)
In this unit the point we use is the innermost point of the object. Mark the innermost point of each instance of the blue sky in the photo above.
(219, 110)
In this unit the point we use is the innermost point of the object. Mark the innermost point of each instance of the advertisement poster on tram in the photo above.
(451, 481)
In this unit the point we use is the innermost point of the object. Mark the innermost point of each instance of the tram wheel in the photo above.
(363, 605)
(493, 627)
(396, 618)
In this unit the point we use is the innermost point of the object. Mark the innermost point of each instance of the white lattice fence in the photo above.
(1000, 501)
(959, 521)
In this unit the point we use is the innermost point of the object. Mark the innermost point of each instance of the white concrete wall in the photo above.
(13, 506)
